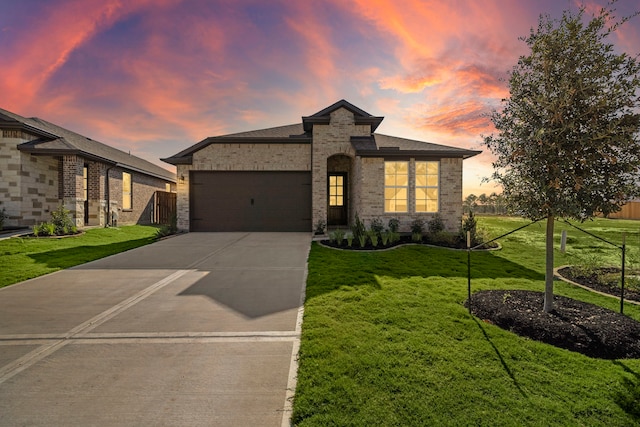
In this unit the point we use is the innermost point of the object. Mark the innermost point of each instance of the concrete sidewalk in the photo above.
(199, 329)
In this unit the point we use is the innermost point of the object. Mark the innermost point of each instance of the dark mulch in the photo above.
(597, 281)
(573, 325)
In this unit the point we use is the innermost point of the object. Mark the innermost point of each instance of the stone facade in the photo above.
(31, 186)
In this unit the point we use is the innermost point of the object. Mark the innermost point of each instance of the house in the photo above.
(43, 165)
(327, 168)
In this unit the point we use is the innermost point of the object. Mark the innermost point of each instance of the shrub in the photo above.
(320, 226)
(3, 217)
(417, 226)
(416, 237)
(62, 222)
(443, 238)
(436, 224)
(337, 236)
(376, 226)
(394, 236)
(349, 237)
(470, 224)
(373, 236)
(394, 225)
(363, 240)
(384, 237)
(358, 229)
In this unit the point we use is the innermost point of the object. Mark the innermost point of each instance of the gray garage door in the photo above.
(250, 201)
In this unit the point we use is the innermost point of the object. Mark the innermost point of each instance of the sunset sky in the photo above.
(156, 76)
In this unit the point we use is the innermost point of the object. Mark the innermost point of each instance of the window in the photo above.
(427, 177)
(336, 190)
(167, 187)
(396, 186)
(85, 182)
(126, 191)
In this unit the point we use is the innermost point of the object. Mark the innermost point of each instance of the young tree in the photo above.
(567, 137)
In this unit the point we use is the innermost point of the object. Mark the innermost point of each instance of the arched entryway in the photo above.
(338, 189)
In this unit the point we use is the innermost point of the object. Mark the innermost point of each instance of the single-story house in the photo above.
(43, 165)
(328, 168)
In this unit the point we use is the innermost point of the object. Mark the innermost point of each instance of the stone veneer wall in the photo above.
(28, 184)
(329, 140)
(239, 157)
(370, 188)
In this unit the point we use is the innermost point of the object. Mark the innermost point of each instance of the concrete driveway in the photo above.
(199, 329)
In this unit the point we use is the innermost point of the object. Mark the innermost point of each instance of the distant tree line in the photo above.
(493, 204)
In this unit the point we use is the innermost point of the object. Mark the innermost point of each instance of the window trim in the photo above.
(426, 187)
(405, 187)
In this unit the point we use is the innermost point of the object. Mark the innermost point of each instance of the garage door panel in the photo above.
(250, 201)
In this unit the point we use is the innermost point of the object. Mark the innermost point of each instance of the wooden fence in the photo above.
(629, 211)
(165, 207)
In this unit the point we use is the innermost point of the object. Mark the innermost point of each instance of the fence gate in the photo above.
(165, 207)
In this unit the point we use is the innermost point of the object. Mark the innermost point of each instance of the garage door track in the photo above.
(199, 329)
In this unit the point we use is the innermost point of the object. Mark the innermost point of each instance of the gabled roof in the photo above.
(288, 134)
(324, 116)
(55, 140)
(375, 145)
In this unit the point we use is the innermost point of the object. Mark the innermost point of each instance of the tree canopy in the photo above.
(567, 137)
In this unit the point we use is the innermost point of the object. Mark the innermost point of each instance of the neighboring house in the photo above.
(327, 168)
(43, 165)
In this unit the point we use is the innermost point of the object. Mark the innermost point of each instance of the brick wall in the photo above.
(143, 191)
(329, 140)
(370, 186)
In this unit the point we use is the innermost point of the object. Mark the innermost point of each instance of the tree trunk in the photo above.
(548, 287)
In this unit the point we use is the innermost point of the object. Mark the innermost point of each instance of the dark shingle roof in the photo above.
(375, 145)
(54, 139)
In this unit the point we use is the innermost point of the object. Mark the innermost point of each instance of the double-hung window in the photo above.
(427, 181)
(396, 186)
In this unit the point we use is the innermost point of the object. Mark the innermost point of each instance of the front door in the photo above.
(337, 212)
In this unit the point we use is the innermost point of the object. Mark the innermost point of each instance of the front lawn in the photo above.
(26, 258)
(387, 341)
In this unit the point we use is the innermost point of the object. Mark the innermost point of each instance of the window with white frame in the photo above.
(396, 186)
(427, 183)
(126, 191)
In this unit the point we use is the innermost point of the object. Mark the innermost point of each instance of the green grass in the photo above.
(26, 258)
(386, 341)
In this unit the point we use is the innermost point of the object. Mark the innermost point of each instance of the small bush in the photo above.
(3, 217)
(349, 237)
(417, 226)
(373, 236)
(416, 237)
(337, 236)
(62, 222)
(443, 238)
(384, 237)
(376, 226)
(363, 240)
(358, 229)
(436, 224)
(394, 236)
(394, 225)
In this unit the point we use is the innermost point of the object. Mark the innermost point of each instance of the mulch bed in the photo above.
(573, 325)
(594, 281)
(355, 245)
